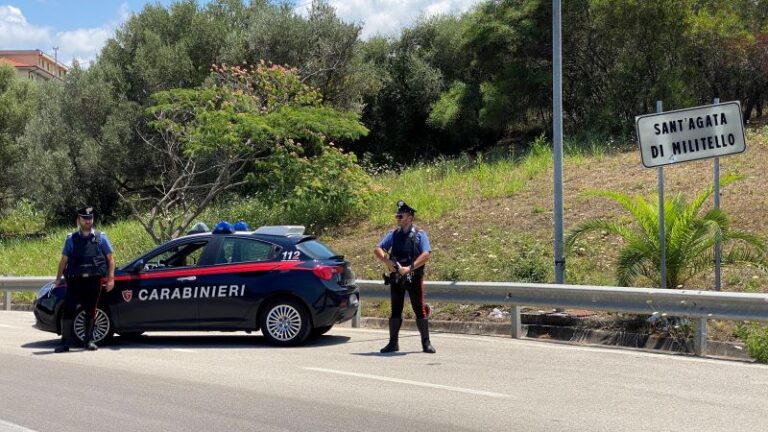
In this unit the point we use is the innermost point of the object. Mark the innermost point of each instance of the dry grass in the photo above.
(525, 219)
(488, 233)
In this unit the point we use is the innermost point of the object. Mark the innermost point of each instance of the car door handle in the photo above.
(186, 279)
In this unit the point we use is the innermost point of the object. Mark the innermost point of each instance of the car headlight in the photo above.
(44, 290)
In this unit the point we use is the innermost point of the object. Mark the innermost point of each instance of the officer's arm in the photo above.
(420, 260)
(110, 272)
(382, 256)
(62, 266)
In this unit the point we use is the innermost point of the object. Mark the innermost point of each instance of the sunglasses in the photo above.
(399, 216)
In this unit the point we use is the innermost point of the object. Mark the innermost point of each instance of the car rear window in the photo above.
(236, 250)
(316, 250)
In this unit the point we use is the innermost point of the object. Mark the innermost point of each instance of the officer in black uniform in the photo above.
(405, 250)
(86, 259)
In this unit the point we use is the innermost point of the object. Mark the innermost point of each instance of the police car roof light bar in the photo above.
(223, 227)
(280, 230)
(242, 225)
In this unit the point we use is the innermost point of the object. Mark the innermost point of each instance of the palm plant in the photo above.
(690, 238)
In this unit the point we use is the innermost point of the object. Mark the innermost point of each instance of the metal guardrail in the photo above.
(699, 305)
(18, 283)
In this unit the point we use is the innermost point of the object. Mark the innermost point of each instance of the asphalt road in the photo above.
(340, 382)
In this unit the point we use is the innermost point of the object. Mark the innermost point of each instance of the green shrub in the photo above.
(317, 190)
(757, 343)
(530, 265)
(22, 219)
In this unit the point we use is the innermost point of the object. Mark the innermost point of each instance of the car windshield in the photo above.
(317, 250)
(182, 255)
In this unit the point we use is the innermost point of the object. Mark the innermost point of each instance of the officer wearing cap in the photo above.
(86, 259)
(405, 250)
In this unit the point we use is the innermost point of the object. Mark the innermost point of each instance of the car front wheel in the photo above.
(102, 326)
(285, 322)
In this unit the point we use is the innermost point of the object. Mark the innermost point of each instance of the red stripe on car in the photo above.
(212, 270)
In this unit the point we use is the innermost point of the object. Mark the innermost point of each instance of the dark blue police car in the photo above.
(274, 279)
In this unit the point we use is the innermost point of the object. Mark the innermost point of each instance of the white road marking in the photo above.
(10, 427)
(572, 346)
(409, 382)
(7, 326)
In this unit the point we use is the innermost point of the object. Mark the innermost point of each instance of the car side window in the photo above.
(237, 250)
(184, 255)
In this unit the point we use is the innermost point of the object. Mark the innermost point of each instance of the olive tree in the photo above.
(204, 139)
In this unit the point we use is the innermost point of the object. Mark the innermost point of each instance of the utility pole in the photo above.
(557, 139)
(56, 60)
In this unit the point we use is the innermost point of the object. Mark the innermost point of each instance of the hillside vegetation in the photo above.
(492, 235)
(488, 218)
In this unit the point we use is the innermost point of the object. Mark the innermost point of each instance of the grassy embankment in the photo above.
(492, 219)
(438, 190)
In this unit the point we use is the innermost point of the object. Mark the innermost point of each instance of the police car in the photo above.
(275, 279)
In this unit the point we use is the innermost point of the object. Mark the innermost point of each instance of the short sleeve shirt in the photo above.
(104, 245)
(422, 241)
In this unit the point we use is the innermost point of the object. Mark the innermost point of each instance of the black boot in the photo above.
(66, 336)
(394, 329)
(88, 338)
(423, 326)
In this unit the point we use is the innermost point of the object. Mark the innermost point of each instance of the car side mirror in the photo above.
(138, 266)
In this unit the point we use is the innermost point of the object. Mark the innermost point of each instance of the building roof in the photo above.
(14, 63)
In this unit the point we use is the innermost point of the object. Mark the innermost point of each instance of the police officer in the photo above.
(86, 259)
(405, 250)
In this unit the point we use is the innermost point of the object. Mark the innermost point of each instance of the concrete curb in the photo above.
(581, 336)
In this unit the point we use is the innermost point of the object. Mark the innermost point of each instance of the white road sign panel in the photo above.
(690, 134)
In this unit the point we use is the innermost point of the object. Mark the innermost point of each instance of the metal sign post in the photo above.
(671, 137)
(662, 235)
(717, 206)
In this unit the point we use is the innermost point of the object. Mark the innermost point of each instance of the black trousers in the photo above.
(82, 291)
(415, 289)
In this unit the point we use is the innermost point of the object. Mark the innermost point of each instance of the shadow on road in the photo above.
(182, 341)
(390, 354)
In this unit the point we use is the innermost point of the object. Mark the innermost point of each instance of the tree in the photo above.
(78, 142)
(323, 49)
(511, 45)
(162, 48)
(619, 58)
(17, 104)
(206, 138)
(408, 81)
(689, 236)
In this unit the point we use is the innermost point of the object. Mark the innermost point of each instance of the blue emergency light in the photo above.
(241, 225)
(223, 227)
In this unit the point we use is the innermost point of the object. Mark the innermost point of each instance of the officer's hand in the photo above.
(391, 268)
(405, 270)
(110, 285)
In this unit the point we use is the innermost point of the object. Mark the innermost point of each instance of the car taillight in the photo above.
(327, 272)
(324, 272)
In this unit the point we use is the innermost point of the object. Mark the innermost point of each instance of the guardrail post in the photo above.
(356, 318)
(700, 338)
(517, 327)
(7, 299)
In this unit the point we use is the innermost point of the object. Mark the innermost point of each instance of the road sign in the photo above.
(690, 134)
